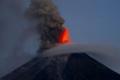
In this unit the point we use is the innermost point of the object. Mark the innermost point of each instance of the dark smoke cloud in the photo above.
(50, 22)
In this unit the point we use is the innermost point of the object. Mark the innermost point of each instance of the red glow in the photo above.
(64, 37)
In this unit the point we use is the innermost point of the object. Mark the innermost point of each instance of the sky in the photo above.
(92, 21)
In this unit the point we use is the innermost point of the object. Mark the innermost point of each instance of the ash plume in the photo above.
(50, 23)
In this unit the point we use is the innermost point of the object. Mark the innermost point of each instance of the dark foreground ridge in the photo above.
(78, 67)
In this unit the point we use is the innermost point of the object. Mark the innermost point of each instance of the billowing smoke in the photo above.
(50, 22)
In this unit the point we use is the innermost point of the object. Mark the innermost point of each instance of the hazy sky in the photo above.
(92, 21)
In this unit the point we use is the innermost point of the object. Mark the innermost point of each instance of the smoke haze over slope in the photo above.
(18, 41)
